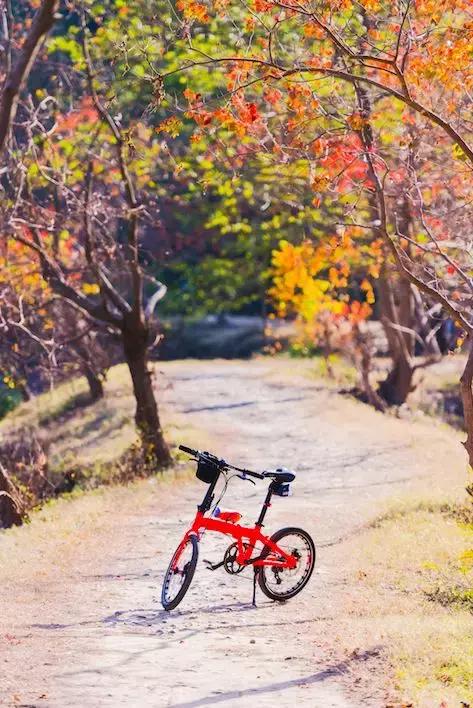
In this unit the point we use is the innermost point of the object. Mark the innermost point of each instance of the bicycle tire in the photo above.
(262, 574)
(189, 570)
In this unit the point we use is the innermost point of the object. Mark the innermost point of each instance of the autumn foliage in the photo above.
(327, 144)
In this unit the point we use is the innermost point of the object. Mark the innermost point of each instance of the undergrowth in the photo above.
(61, 441)
(420, 554)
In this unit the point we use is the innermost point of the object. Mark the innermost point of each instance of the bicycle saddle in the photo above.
(281, 475)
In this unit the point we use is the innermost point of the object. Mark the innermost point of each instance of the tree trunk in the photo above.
(467, 400)
(397, 385)
(327, 350)
(364, 349)
(19, 72)
(94, 381)
(135, 345)
(25, 392)
(9, 512)
(86, 366)
(426, 326)
(395, 316)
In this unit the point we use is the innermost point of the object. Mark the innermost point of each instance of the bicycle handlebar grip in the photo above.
(250, 473)
(189, 450)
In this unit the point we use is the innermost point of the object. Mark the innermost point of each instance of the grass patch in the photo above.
(336, 369)
(79, 443)
(435, 663)
(336, 372)
(63, 527)
(79, 434)
(463, 513)
(453, 596)
(415, 586)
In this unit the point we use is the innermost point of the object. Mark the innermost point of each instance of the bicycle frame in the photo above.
(246, 537)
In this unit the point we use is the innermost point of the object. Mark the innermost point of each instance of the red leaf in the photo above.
(253, 112)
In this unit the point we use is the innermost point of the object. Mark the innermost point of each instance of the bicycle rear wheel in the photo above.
(284, 583)
(180, 573)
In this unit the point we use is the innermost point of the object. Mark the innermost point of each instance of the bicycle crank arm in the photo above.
(213, 566)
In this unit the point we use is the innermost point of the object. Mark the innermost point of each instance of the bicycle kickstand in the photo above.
(255, 577)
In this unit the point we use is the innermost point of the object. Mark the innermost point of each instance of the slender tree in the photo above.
(76, 206)
(19, 62)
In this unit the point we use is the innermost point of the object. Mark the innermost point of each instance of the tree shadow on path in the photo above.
(341, 667)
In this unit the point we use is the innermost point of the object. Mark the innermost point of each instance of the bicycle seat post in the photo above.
(265, 507)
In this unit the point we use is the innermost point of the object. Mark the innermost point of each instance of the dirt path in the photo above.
(88, 630)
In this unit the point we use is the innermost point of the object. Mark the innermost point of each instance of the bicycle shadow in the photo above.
(148, 617)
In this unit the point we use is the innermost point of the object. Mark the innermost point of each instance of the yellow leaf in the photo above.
(90, 289)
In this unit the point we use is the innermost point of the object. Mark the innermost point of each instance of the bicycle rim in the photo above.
(180, 573)
(284, 583)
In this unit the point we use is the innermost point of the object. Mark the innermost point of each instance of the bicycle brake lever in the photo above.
(247, 479)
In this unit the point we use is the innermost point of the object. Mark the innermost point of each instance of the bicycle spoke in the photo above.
(286, 581)
(178, 571)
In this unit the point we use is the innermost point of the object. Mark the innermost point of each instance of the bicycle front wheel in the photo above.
(180, 573)
(284, 583)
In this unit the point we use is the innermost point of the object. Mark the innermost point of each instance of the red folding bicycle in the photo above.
(282, 563)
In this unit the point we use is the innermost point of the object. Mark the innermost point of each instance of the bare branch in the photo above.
(133, 205)
(153, 301)
(348, 77)
(20, 69)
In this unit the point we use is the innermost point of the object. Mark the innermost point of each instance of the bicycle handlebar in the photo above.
(189, 450)
(248, 473)
(220, 463)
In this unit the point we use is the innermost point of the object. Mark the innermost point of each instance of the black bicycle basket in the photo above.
(207, 471)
